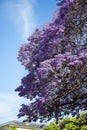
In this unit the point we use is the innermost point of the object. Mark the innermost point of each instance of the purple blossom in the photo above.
(61, 28)
(83, 55)
(56, 59)
(72, 1)
(78, 62)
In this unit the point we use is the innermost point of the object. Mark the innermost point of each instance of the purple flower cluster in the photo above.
(56, 59)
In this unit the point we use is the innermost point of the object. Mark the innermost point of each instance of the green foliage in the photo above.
(12, 128)
(52, 126)
(79, 123)
(84, 127)
(72, 123)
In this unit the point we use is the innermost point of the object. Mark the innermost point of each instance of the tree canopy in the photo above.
(73, 123)
(56, 59)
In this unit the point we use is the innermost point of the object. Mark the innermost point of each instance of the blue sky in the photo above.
(18, 19)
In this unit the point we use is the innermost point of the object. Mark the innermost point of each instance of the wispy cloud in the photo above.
(9, 106)
(19, 13)
(22, 14)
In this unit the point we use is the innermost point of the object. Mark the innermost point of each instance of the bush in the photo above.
(73, 123)
(12, 128)
(52, 126)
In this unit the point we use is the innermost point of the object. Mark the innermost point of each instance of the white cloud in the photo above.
(9, 106)
(22, 14)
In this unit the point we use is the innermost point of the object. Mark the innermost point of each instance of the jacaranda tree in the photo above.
(56, 59)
